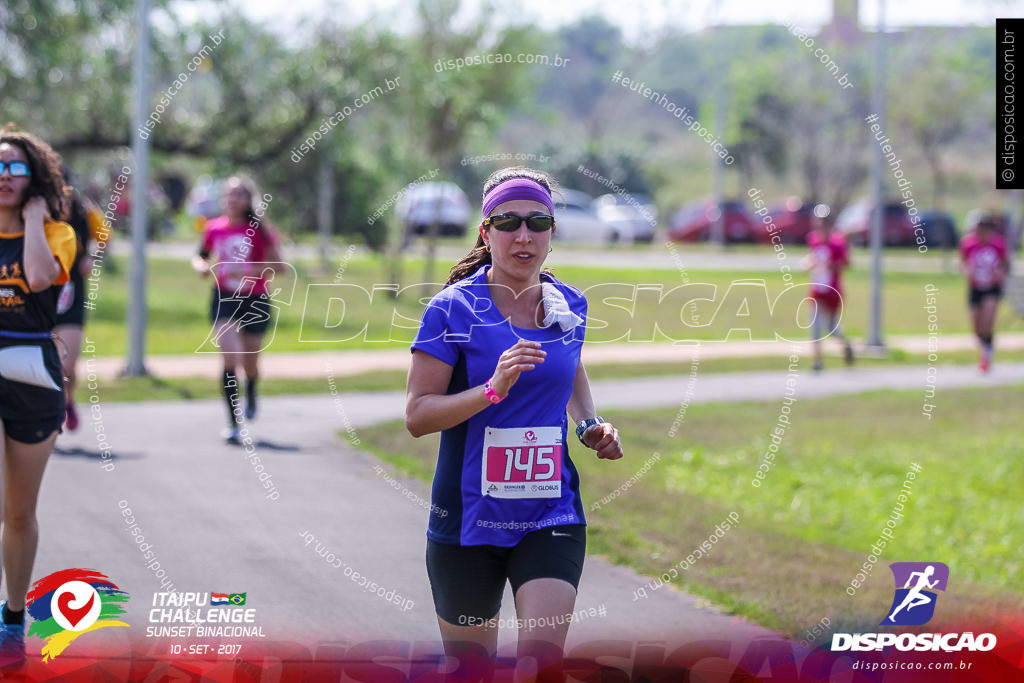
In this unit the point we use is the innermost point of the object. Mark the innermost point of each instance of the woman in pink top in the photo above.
(240, 249)
(984, 260)
(827, 259)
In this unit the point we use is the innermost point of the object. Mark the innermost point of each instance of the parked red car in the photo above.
(793, 219)
(897, 230)
(694, 222)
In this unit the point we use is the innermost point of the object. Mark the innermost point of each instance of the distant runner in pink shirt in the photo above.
(828, 256)
(985, 262)
(240, 250)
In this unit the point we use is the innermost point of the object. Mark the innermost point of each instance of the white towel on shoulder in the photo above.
(556, 308)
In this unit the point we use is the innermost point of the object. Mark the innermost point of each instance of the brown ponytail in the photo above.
(479, 255)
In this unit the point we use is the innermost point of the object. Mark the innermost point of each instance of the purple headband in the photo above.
(517, 188)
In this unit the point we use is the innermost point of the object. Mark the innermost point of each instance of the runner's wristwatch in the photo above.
(584, 425)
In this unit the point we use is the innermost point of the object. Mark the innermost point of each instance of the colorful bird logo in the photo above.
(68, 603)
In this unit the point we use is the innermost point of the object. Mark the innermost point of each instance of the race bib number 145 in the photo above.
(522, 462)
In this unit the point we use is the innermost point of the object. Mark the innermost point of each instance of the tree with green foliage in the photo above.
(805, 122)
(934, 96)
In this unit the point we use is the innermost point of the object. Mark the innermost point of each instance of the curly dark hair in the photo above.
(47, 179)
(478, 255)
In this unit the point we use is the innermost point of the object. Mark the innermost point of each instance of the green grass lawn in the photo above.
(804, 534)
(179, 303)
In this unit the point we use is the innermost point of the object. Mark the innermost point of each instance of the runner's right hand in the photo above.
(524, 355)
(34, 211)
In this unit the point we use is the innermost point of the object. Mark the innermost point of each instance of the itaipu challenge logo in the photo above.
(914, 603)
(70, 603)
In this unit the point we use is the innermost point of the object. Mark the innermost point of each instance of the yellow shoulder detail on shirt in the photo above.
(97, 228)
(64, 244)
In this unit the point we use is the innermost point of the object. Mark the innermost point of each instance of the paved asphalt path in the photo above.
(203, 509)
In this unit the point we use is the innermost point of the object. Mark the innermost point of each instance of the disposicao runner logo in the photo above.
(69, 603)
(914, 603)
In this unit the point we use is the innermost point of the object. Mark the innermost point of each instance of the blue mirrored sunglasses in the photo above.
(18, 169)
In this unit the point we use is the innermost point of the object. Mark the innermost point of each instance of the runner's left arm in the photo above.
(603, 438)
(581, 403)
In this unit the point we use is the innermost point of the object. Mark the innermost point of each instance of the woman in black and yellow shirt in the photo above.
(36, 254)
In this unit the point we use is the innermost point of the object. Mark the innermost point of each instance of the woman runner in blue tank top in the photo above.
(496, 365)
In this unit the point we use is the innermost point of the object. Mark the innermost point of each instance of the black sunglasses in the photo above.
(18, 169)
(509, 222)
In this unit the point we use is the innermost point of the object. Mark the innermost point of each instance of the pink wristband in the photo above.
(491, 394)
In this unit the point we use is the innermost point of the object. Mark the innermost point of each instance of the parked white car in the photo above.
(632, 217)
(424, 203)
(575, 220)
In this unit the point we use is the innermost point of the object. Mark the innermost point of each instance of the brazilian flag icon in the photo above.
(237, 598)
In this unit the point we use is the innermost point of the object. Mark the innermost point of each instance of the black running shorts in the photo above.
(467, 580)
(250, 312)
(976, 296)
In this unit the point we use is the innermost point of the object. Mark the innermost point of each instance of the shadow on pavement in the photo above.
(79, 452)
(271, 446)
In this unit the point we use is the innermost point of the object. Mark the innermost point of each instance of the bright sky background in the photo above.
(639, 18)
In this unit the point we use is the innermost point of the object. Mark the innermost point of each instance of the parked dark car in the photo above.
(939, 230)
(694, 222)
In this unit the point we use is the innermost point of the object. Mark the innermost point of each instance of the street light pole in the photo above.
(874, 342)
(325, 205)
(135, 364)
(718, 236)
